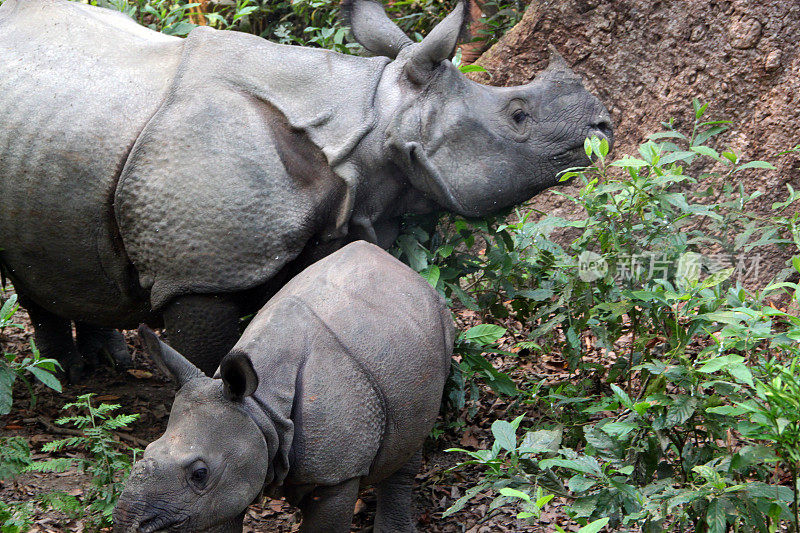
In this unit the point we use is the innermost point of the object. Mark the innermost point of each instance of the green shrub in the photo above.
(107, 461)
(101, 456)
(12, 369)
(688, 422)
(304, 22)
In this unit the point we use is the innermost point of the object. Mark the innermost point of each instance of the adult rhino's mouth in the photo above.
(576, 153)
(163, 524)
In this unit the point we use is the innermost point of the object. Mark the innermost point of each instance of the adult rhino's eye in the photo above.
(519, 116)
(198, 475)
(516, 120)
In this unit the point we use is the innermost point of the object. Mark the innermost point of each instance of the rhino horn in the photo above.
(438, 45)
(167, 359)
(373, 29)
(557, 66)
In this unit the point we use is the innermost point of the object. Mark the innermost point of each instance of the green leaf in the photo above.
(505, 435)
(666, 135)
(585, 465)
(720, 362)
(514, 493)
(619, 429)
(471, 68)
(757, 489)
(755, 164)
(595, 526)
(630, 162)
(699, 109)
(726, 410)
(415, 253)
(537, 295)
(46, 377)
(498, 381)
(705, 150)
(680, 411)
(179, 28)
(484, 334)
(541, 441)
(717, 278)
(462, 501)
(741, 373)
(7, 378)
(604, 147)
(579, 483)
(715, 516)
(641, 407)
(709, 474)
(8, 309)
(622, 396)
(541, 502)
(431, 275)
(684, 498)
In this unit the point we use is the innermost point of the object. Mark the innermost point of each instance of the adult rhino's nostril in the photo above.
(603, 126)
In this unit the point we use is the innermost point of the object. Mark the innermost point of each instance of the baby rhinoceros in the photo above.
(334, 385)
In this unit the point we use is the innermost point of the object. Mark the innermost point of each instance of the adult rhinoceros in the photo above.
(146, 177)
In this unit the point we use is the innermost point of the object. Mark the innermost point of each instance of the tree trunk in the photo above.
(647, 59)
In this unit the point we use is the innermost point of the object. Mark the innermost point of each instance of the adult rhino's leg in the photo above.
(329, 509)
(53, 337)
(395, 499)
(94, 343)
(203, 328)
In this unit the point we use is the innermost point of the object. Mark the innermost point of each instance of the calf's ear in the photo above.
(438, 45)
(168, 360)
(239, 378)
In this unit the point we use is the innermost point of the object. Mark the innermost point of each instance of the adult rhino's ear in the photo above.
(239, 378)
(168, 360)
(438, 45)
(372, 28)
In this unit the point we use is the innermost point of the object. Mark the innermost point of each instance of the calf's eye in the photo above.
(199, 475)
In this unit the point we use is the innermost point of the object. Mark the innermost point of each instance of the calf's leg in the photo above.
(329, 509)
(395, 499)
(203, 328)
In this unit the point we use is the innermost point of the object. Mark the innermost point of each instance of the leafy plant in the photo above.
(105, 459)
(16, 518)
(15, 457)
(653, 275)
(12, 369)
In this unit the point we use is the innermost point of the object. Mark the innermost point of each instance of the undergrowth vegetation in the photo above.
(101, 456)
(682, 410)
(304, 22)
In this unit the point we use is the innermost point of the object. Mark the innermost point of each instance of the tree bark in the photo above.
(647, 59)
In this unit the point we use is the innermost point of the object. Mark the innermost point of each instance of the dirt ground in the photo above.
(145, 391)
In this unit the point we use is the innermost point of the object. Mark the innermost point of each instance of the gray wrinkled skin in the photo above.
(143, 175)
(335, 384)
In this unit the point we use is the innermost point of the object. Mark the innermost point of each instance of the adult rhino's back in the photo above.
(77, 86)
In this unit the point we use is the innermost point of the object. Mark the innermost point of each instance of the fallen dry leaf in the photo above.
(106, 398)
(140, 374)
